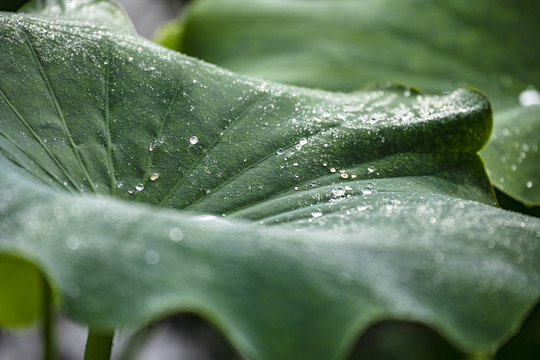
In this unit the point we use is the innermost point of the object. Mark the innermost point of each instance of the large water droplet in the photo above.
(193, 140)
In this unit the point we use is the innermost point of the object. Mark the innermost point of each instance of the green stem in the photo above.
(98, 345)
(49, 323)
(479, 356)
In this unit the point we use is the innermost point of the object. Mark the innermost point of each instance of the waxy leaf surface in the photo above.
(434, 45)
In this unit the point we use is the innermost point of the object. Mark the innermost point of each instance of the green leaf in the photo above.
(338, 45)
(292, 219)
(21, 291)
(98, 12)
(513, 153)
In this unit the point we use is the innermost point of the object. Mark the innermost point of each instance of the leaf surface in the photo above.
(339, 45)
(143, 182)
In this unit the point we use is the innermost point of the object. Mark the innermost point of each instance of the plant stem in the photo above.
(479, 356)
(98, 345)
(48, 338)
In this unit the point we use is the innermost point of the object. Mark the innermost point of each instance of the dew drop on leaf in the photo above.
(529, 184)
(139, 187)
(338, 191)
(175, 234)
(316, 213)
(154, 176)
(151, 257)
(303, 141)
(193, 140)
(529, 97)
(279, 151)
(371, 169)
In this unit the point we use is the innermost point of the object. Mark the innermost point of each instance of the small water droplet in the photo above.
(154, 176)
(193, 140)
(529, 97)
(72, 242)
(151, 148)
(175, 234)
(529, 184)
(295, 164)
(303, 141)
(151, 257)
(371, 169)
(332, 170)
(432, 220)
(344, 175)
(316, 213)
(367, 191)
(279, 151)
(139, 187)
(438, 257)
(338, 191)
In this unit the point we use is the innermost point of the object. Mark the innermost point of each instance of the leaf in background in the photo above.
(340, 210)
(513, 153)
(98, 12)
(338, 45)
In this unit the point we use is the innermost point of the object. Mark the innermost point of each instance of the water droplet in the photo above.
(332, 170)
(303, 141)
(367, 191)
(529, 184)
(344, 175)
(72, 242)
(279, 151)
(139, 187)
(119, 185)
(154, 176)
(295, 164)
(370, 169)
(151, 148)
(193, 140)
(338, 191)
(175, 234)
(432, 220)
(151, 257)
(438, 257)
(529, 97)
(316, 213)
